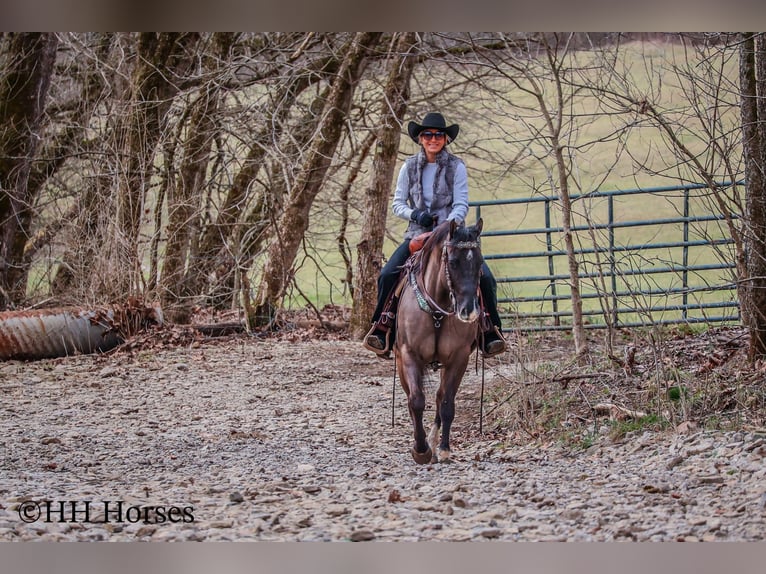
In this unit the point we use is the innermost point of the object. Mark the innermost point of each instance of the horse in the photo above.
(437, 327)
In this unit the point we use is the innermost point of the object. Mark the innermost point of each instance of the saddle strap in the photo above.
(485, 323)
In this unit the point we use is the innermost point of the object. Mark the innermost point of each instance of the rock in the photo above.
(459, 502)
(710, 479)
(572, 514)
(490, 532)
(658, 488)
(197, 537)
(110, 371)
(362, 536)
(236, 497)
(713, 524)
(700, 448)
(337, 510)
(757, 443)
(674, 462)
(146, 530)
(687, 427)
(221, 524)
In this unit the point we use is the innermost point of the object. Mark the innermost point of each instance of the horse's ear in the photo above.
(452, 227)
(479, 226)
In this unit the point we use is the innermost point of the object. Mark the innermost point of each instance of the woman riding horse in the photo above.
(432, 187)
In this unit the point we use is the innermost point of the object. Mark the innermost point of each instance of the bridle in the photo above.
(424, 299)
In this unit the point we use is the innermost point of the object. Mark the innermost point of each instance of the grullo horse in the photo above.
(437, 327)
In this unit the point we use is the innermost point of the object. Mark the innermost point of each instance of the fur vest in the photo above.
(441, 204)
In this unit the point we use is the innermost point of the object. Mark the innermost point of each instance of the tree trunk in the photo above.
(25, 76)
(753, 111)
(67, 143)
(230, 232)
(294, 221)
(345, 200)
(183, 206)
(370, 247)
(161, 60)
(555, 131)
(185, 197)
(218, 238)
(238, 238)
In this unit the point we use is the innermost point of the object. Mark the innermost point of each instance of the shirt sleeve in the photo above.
(399, 206)
(460, 194)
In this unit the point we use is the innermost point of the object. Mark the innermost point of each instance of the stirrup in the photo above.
(373, 336)
(494, 347)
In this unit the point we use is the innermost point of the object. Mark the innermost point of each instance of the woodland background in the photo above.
(241, 171)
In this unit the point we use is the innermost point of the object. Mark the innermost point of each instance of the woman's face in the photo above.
(433, 141)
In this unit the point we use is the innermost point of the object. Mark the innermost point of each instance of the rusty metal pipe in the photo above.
(47, 333)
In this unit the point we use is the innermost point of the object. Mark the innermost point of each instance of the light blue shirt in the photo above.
(459, 192)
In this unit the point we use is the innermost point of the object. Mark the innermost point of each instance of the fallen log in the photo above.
(220, 329)
(618, 413)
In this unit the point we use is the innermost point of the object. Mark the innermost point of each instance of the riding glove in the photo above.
(422, 218)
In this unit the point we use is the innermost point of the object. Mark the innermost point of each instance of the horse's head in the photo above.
(463, 265)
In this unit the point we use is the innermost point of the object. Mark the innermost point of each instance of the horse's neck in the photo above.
(434, 280)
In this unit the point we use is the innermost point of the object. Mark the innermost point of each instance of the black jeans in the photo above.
(390, 274)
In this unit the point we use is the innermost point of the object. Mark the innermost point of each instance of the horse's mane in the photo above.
(441, 234)
(436, 239)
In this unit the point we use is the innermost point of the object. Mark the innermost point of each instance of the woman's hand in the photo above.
(422, 217)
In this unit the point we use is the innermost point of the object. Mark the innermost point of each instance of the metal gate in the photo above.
(678, 270)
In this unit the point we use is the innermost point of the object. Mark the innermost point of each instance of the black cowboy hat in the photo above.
(433, 120)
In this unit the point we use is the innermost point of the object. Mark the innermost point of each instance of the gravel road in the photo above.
(252, 439)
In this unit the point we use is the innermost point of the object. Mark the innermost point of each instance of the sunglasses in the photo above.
(432, 135)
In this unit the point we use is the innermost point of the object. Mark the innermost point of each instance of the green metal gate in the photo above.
(633, 271)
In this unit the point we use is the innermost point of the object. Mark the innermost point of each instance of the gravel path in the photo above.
(267, 440)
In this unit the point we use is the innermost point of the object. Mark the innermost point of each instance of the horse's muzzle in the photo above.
(468, 313)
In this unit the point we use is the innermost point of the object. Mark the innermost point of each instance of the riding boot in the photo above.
(492, 340)
(381, 336)
(379, 339)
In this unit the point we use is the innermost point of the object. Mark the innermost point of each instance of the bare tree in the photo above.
(164, 61)
(294, 220)
(542, 99)
(753, 105)
(26, 65)
(69, 113)
(184, 201)
(376, 199)
(702, 144)
(227, 244)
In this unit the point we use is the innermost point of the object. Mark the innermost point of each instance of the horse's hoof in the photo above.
(444, 455)
(422, 457)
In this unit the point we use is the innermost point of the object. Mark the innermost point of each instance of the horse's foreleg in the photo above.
(412, 379)
(433, 437)
(447, 410)
(445, 406)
